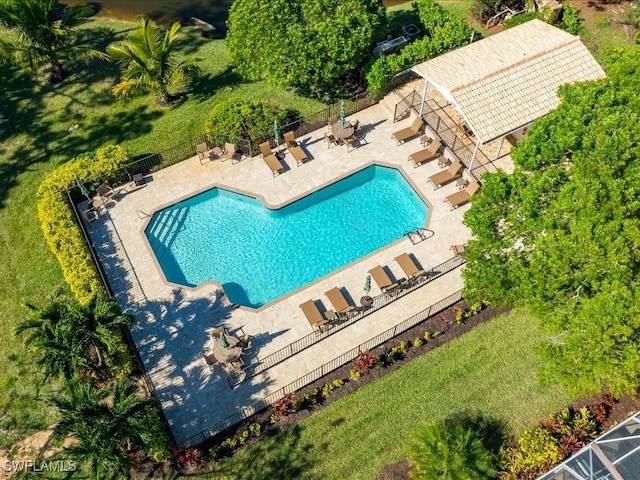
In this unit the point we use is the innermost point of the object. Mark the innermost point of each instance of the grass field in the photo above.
(35, 138)
(490, 370)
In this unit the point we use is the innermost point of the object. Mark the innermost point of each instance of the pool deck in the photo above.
(173, 324)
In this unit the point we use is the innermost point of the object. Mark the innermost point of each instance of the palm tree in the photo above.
(107, 425)
(148, 61)
(65, 333)
(41, 32)
(449, 452)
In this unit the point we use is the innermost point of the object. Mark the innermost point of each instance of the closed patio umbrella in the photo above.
(343, 114)
(82, 187)
(223, 341)
(277, 133)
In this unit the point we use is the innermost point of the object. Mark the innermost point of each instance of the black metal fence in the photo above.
(408, 104)
(379, 302)
(323, 370)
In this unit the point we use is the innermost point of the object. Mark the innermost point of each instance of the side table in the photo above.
(366, 301)
(137, 179)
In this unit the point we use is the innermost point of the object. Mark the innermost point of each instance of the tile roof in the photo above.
(506, 81)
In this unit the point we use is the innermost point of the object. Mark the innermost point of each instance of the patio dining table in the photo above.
(342, 131)
(230, 353)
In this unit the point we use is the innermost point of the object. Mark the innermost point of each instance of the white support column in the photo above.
(424, 95)
(473, 157)
(500, 147)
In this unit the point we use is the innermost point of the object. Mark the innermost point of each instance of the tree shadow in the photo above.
(285, 455)
(203, 86)
(398, 18)
(491, 431)
(215, 13)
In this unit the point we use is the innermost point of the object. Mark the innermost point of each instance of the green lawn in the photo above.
(34, 139)
(490, 370)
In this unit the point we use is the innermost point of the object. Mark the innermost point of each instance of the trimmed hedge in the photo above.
(443, 32)
(61, 231)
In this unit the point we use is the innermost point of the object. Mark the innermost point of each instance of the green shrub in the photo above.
(247, 118)
(443, 32)
(255, 429)
(418, 342)
(520, 19)
(62, 233)
(536, 453)
(570, 20)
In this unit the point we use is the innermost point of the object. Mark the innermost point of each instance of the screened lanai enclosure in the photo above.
(613, 456)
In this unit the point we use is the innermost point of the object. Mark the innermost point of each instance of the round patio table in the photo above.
(342, 131)
(229, 354)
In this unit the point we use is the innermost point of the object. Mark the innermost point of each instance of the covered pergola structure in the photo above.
(501, 84)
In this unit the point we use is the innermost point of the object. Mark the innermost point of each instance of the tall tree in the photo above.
(438, 451)
(562, 233)
(42, 32)
(308, 44)
(108, 425)
(149, 61)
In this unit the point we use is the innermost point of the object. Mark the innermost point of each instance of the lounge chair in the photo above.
(408, 266)
(314, 316)
(290, 139)
(429, 153)
(382, 279)
(270, 159)
(299, 155)
(229, 152)
(454, 171)
(338, 301)
(458, 250)
(463, 196)
(409, 132)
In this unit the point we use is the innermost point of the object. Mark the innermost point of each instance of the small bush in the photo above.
(285, 406)
(255, 429)
(227, 446)
(459, 315)
(418, 342)
(354, 374)
(520, 19)
(396, 353)
(247, 119)
(244, 436)
(364, 362)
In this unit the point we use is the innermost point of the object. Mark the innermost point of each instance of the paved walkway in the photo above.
(173, 324)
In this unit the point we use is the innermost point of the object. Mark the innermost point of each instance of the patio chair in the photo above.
(427, 154)
(229, 152)
(333, 119)
(270, 159)
(205, 152)
(290, 139)
(338, 301)
(458, 250)
(106, 192)
(408, 266)
(356, 125)
(330, 139)
(299, 155)
(235, 365)
(408, 133)
(463, 196)
(454, 171)
(382, 279)
(211, 360)
(89, 215)
(314, 316)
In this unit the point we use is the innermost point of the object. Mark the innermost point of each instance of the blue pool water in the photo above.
(259, 254)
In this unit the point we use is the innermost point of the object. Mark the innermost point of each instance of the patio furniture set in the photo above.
(274, 160)
(349, 134)
(342, 309)
(433, 150)
(208, 152)
(228, 349)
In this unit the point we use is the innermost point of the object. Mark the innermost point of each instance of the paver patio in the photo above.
(173, 323)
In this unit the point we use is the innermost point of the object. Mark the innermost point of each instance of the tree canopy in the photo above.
(148, 60)
(42, 32)
(308, 44)
(562, 233)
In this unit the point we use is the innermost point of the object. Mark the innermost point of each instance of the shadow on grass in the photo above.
(283, 456)
(398, 18)
(491, 431)
(204, 86)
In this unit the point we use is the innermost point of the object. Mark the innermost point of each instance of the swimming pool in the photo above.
(259, 254)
